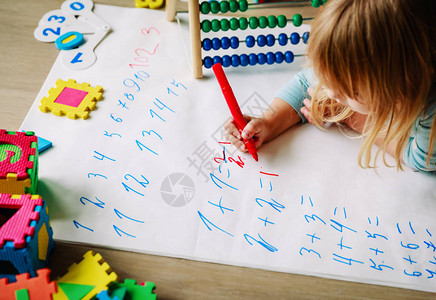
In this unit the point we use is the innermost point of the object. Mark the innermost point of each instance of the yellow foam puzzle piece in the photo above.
(91, 271)
(43, 241)
(88, 103)
(11, 185)
(153, 4)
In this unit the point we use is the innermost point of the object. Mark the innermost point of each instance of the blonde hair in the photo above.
(381, 51)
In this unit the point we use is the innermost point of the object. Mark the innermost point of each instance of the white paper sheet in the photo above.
(146, 172)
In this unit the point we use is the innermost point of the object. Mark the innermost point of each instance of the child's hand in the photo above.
(306, 110)
(256, 128)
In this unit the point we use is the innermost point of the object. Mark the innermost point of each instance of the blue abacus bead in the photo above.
(295, 38)
(261, 58)
(227, 61)
(244, 60)
(207, 44)
(217, 60)
(225, 43)
(234, 42)
(270, 40)
(252, 59)
(235, 60)
(289, 57)
(261, 40)
(279, 57)
(208, 62)
(216, 43)
(283, 39)
(270, 58)
(250, 41)
(305, 37)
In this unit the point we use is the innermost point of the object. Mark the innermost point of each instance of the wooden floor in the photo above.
(25, 63)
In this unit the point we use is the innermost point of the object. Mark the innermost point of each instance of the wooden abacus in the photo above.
(242, 21)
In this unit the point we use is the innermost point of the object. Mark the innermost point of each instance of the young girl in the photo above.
(373, 69)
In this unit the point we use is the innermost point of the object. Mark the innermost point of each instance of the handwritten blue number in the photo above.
(121, 215)
(97, 203)
(117, 230)
(77, 224)
(204, 219)
(261, 242)
(141, 147)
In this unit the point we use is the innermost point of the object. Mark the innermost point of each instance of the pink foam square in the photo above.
(71, 97)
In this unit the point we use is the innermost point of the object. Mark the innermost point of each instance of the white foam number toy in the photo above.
(84, 56)
(83, 8)
(66, 27)
(56, 23)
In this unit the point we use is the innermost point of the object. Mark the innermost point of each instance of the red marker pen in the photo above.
(234, 107)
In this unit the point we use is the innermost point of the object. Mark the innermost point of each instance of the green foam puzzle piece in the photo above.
(22, 294)
(74, 290)
(4, 148)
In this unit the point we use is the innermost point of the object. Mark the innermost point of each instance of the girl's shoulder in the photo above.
(430, 110)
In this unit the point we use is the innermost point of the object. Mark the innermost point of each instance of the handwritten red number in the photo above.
(146, 31)
(142, 58)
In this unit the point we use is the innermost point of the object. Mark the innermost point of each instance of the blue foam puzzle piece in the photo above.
(43, 144)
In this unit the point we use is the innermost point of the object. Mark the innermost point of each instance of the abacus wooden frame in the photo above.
(193, 9)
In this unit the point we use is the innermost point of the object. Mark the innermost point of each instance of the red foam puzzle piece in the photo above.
(24, 142)
(38, 288)
(18, 226)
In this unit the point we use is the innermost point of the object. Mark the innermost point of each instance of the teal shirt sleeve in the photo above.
(296, 90)
(416, 152)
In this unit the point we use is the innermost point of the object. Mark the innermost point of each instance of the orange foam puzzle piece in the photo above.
(38, 288)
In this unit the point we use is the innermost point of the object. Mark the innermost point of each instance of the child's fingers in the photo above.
(306, 112)
(253, 127)
(236, 142)
(310, 91)
(231, 128)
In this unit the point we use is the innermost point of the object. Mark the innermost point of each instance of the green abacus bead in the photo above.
(297, 20)
(316, 3)
(205, 7)
(216, 25)
(206, 26)
(243, 23)
(324, 1)
(272, 21)
(243, 5)
(225, 24)
(253, 22)
(214, 7)
(263, 22)
(233, 4)
(224, 6)
(282, 21)
(234, 24)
